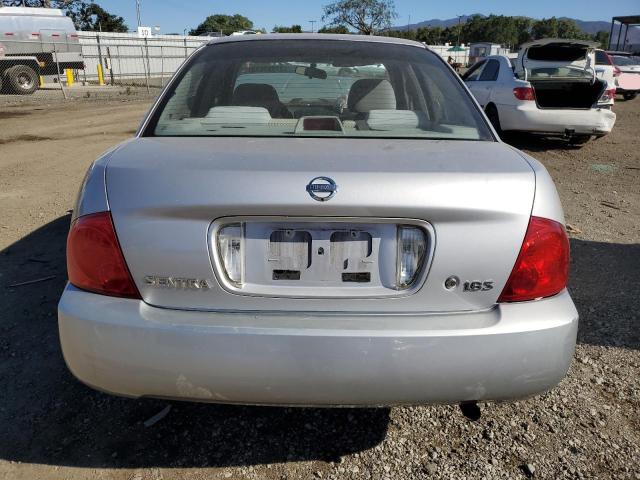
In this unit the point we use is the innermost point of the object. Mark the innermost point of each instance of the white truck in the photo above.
(34, 42)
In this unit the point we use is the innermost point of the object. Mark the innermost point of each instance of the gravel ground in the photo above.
(53, 427)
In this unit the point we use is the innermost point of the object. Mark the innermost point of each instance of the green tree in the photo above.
(93, 17)
(523, 28)
(603, 37)
(85, 16)
(569, 29)
(557, 28)
(283, 29)
(337, 29)
(429, 35)
(366, 16)
(545, 28)
(407, 34)
(226, 24)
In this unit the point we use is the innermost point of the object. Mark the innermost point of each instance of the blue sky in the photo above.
(174, 16)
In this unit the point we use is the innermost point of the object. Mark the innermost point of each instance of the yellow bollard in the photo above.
(69, 73)
(100, 75)
(41, 81)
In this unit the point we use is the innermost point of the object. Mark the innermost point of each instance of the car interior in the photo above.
(295, 97)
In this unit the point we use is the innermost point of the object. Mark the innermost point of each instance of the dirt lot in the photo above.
(53, 427)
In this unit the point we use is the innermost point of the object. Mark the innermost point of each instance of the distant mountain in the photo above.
(590, 27)
(435, 22)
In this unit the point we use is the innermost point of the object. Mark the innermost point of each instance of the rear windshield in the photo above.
(557, 53)
(555, 61)
(602, 58)
(324, 88)
(624, 61)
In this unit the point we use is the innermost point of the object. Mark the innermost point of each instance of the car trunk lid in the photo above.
(562, 73)
(471, 200)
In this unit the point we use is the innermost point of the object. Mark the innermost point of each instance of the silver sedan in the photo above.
(317, 220)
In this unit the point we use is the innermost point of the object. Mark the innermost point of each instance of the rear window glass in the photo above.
(602, 58)
(622, 61)
(557, 53)
(317, 88)
(559, 72)
(490, 72)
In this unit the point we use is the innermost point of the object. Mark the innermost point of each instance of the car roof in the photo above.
(316, 36)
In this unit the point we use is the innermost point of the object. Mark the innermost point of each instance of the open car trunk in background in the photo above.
(567, 93)
(167, 196)
(562, 72)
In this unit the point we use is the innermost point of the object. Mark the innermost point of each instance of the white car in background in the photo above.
(606, 70)
(628, 81)
(551, 89)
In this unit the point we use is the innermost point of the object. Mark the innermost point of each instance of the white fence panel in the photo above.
(127, 58)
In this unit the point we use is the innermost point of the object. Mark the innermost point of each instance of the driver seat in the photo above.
(260, 95)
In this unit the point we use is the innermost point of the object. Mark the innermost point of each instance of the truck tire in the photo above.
(21, 79)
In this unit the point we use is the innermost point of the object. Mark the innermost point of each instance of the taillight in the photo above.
(412, 248)
(94, 258)
(608, 95)
(542, 267)
(230, 241)
(524, 93)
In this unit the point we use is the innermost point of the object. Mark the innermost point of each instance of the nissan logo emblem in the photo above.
(322, 189)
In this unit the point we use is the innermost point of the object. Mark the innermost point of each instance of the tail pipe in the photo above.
(471, 410)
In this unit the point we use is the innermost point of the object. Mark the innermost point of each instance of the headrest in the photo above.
(253, 94)
(395, 119)
(371, 94)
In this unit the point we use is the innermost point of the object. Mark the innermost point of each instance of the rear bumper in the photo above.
(129, 348)
(529, 118)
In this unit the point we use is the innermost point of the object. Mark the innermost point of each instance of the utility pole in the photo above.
(313, 24)
(138, 12)
(409, 23)
(459, 18)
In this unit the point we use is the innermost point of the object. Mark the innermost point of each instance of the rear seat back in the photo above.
(260, 95)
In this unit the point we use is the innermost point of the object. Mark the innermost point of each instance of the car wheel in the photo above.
(629, 95)
(22, 79)
(494, 118)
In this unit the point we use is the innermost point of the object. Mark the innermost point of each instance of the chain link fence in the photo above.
(90, 64)
(51, 64)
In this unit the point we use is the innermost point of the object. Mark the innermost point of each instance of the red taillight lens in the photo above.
(524, 93)
(542, 268)
(94, 259)
(608, 95)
